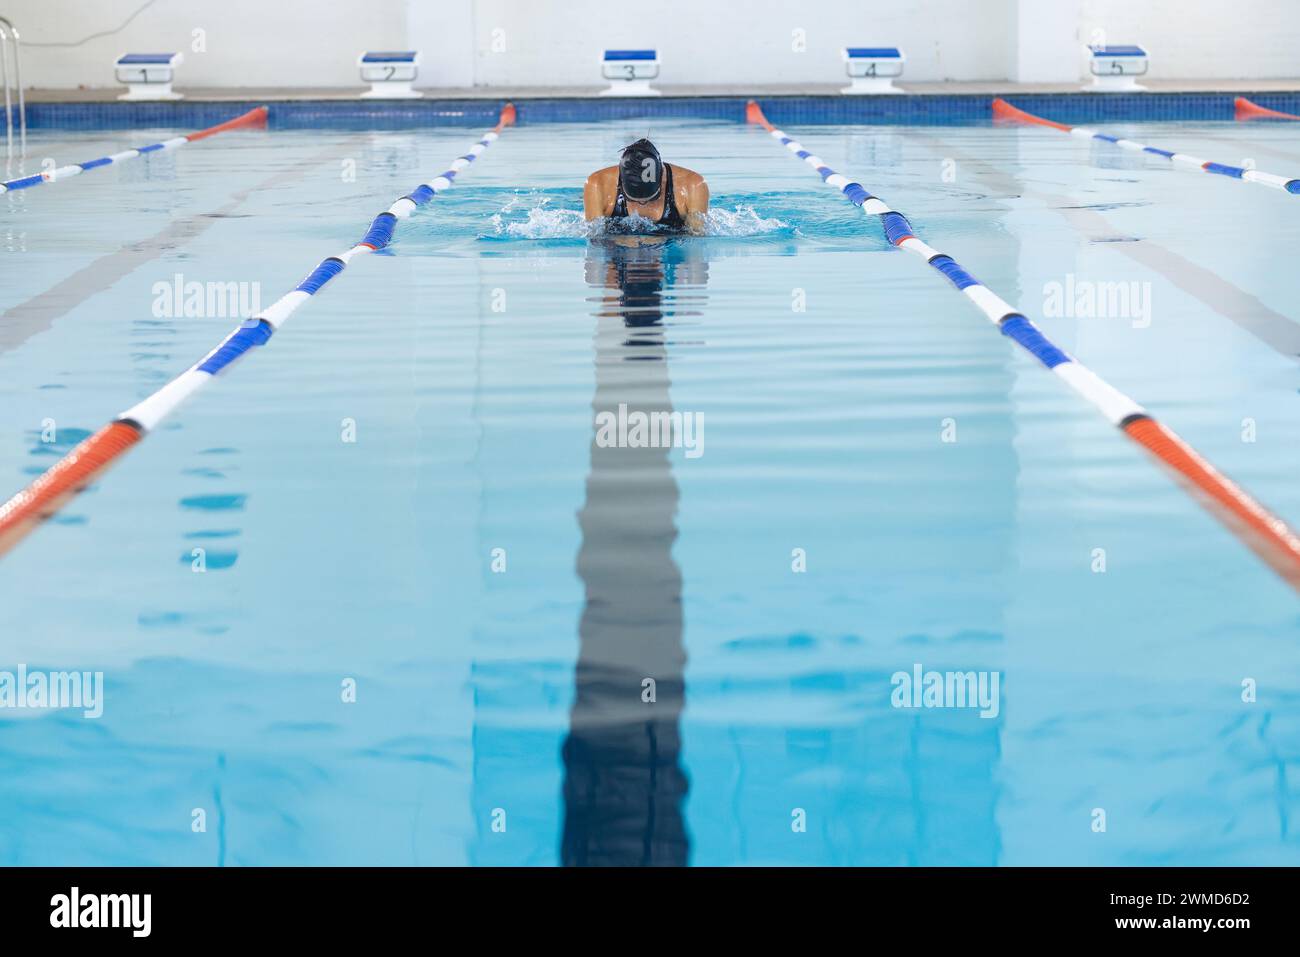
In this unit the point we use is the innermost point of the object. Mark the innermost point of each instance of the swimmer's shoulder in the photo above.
(599, 191)
(692, 192)
(603, 177)
(685, 177)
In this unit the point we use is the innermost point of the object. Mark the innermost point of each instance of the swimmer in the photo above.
(674, 198)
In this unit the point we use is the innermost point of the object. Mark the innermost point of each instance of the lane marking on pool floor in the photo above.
(21, 322)
(76, 470)
(255, 117)
(1253, 146)
(1247, 311)
(1002, 110)
(1258, 528)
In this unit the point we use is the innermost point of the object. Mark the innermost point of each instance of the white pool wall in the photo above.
(547, 43)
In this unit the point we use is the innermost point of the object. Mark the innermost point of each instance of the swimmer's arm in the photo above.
(593, 197)
(697, 205)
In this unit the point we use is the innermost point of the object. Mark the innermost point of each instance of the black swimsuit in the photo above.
(671, 218)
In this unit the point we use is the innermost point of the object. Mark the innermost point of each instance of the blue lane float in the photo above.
(1005, 112)
(75, 471)
(1259, 529)
(253, 118)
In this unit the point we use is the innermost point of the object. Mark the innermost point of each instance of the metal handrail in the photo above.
(9, 35)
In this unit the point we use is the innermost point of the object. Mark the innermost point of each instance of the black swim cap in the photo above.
(641, 171)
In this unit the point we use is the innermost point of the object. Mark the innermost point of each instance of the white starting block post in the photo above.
(1113, 68)
(148, 76)
(390, 74)
(630, 72)
(873, 69)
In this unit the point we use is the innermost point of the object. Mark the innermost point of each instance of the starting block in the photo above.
(630, 72)
(1113, 68)
(873, 69)
(148, 76)
(390, 74)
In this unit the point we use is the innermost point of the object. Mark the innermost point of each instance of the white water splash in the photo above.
(545, 222)
(743, 221)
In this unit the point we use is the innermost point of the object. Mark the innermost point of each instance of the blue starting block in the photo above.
(1114, 67)
(630, 72)
(148, 76)
(390, 74)
(873, 69)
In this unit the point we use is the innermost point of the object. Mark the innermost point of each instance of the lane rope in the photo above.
(1002, 110)
(1262, 531)
(254, 118)
(1244, 109)
(75, 471)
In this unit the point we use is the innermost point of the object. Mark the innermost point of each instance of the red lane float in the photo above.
(1005, 112)
(254, 118)
(1261, 531)
(76, 470)
(1246, 110)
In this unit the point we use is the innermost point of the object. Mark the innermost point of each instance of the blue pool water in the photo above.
(499, 715)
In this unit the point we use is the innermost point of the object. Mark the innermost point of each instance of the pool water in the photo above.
(879, 482)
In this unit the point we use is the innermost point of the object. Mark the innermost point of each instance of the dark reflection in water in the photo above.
(623, 781)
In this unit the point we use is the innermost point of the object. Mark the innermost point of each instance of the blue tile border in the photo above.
(893, 109)
(187, 115)
(1102, 107)
(1069, 108)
